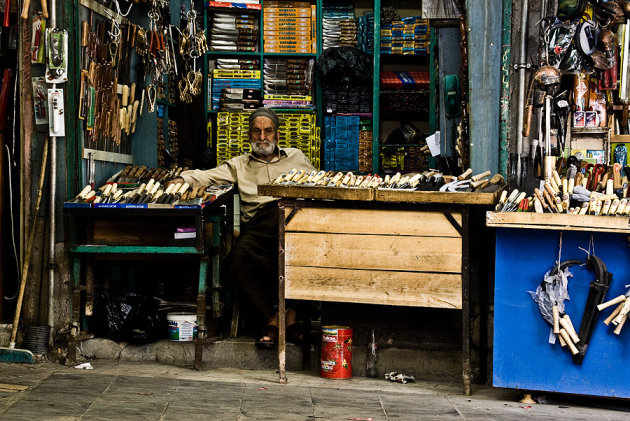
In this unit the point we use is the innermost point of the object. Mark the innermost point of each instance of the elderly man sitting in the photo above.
(253, 261)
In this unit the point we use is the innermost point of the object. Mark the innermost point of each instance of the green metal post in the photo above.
(376, 87)
(506, 59)
(74, 147)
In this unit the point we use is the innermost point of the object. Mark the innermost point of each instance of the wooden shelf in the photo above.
(290, 54)
(232, 53)
(590, 130)
(558, 222)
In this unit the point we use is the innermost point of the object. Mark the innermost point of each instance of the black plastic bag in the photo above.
(132, 318)
(345, 63)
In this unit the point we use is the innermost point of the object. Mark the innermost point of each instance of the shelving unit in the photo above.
(261, 55)
(425, 119)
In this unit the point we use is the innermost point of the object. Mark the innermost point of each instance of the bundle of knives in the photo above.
(236, 99)
(332, 17)
(141, 185)
(426, 181)
(601, 192)
(234, 32)
(287, 76)
(237, 64)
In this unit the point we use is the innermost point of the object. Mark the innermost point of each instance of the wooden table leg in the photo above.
(75, 310)
(201, 313)
(282, 344)
(466, 370)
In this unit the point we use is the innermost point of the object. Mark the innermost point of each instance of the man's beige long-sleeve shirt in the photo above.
(247, 172)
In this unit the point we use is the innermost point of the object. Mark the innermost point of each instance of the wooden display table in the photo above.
(148, 233)
(375, 247)
(527, 246)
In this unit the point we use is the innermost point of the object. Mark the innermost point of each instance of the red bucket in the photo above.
(336, 357)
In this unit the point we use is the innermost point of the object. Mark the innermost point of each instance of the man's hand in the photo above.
(175, 181)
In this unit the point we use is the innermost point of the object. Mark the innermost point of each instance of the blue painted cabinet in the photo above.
(523, 358)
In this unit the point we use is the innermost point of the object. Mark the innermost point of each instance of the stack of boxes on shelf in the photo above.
(337, 29)
(410, 35)
(296, 131)
(365, 32)
(396, 158)
(341, 147)
(405, 92)
(287, 83)
(234, 32)
(289, 27)
(365, 145)
(347, 98)
(227, 85)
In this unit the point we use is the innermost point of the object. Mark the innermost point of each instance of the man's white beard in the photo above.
(263, 148)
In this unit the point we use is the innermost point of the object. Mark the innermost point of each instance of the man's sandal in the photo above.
(271, 334)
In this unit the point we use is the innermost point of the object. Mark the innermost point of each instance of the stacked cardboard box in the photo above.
(409, 35)
(287, 82)
(231, 79)
(297, 130)
(365, 32)
(289, 26)
(332, 17)
(365, 145)
(341, 147)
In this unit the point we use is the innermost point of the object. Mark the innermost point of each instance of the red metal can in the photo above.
(336, 356)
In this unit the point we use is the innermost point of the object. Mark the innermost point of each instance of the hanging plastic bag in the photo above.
(559, 40)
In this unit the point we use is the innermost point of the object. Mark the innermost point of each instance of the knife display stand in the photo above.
(147, 234)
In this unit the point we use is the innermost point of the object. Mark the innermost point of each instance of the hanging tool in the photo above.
(521, 68)
(7, 13)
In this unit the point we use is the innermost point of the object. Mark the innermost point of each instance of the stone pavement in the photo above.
(151, 391)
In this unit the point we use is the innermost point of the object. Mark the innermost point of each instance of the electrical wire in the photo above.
(17, 263)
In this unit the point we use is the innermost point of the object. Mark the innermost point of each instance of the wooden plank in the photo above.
(328, 193)
(551, 221)
(6, 387)
(415, 289)
(382, 195)
(380, 252)
(368, 221)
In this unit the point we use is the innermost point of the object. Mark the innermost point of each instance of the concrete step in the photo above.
(241, 353)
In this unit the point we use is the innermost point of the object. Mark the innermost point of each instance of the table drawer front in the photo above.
(420, 289)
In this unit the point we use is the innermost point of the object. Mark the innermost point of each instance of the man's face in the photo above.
(263, 136)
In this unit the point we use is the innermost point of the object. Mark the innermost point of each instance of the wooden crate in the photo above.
(392, 257)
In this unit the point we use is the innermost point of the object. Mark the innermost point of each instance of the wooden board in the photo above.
(368, 221)
(374, 287)
(551, 221)
(379, 252)
(328, 193)
(383, 195)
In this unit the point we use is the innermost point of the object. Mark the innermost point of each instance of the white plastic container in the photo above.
(182, 327)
